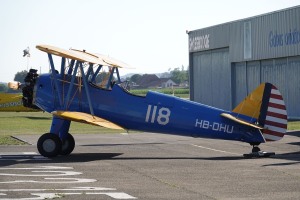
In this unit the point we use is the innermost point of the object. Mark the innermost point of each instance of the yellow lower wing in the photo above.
(13, 103)
(86, 118)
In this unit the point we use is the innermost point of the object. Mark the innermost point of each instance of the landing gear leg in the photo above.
(257, 153)
(58, 141)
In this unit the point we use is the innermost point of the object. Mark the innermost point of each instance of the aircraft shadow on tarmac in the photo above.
(293, 133)
(292, 156)
(121, 144)
(73, 158)
(89, 157)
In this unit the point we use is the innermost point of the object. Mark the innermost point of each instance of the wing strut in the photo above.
(118, 75)
(53, 71)
(90, 71)
(86, 89)
(110, 78)
(71, 67)
(71, 84)
(96, 72)
(62, 66)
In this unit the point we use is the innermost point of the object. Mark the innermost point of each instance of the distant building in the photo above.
(152, 81)
(148, 81)
(228, 61)
(168, 83)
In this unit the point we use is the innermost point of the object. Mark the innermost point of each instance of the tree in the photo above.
(20, 76)
(165, 75)
(135, 78)
(3, 88)
(179, 76)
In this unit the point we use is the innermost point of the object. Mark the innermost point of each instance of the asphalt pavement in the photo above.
(151, 166)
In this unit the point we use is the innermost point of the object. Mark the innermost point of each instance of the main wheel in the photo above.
(68, 145)
(49, 145)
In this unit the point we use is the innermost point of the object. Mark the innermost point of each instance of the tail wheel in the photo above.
(49, 145)
(255, 149)
(68, 145)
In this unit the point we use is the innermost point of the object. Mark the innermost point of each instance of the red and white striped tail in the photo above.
(275, 123)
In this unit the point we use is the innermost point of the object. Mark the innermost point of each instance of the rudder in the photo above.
(265, 104)
(273, 115)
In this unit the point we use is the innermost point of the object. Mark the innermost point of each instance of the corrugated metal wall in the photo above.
(272, 35)
(210, 77)
(282, 72)
(276, 34)
(228, 61)
(239, 83)
(246, 77)
(293, 90)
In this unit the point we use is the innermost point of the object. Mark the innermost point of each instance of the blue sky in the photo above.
(149, 35)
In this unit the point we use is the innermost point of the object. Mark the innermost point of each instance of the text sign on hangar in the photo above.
(287, 38)
(198, 43)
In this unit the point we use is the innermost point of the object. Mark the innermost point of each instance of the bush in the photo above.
(164, 91)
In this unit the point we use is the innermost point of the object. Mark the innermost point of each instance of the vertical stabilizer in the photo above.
(265, 104)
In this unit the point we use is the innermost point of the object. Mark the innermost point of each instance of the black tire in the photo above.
(49, 145)
(255, 149)
(68, 145)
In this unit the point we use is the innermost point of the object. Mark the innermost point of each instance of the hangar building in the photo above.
(228, 61)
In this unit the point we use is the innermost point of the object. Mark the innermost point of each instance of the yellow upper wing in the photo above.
(86, 118)
(83, 56)
(76, 55)
(112, 61)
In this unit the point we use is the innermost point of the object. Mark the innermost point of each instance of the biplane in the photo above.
(75, 90)
(11, 102)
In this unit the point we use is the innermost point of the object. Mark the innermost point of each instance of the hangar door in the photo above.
(211, 78)
(282, 72)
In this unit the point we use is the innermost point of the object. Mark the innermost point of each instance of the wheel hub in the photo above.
(49, 145)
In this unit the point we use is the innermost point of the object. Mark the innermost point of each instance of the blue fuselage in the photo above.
(154, 112)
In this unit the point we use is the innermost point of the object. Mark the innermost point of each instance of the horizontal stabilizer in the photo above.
(240, 121)
(86, 118)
